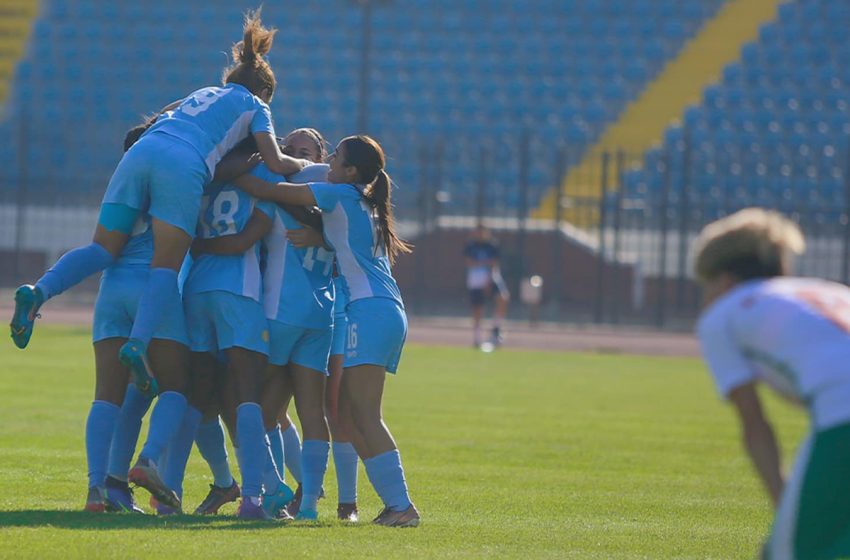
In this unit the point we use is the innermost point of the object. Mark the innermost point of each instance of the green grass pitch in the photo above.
(511, 454)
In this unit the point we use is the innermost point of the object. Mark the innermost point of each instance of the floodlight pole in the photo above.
(365, 62)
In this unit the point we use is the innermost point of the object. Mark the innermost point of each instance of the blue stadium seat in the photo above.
(534, 63)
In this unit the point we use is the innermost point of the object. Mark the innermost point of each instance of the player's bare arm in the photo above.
(256, 228)
(279, 193)
(759, 439)
(274, 158)
(306, 237)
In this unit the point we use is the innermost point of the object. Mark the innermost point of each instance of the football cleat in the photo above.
(347, 512)
(295, 504)
(144, 474)
(248, 509)
(119, 497)
(28, 299)
(407, 518)
(96, 500)
(132, 355)
(164, 511)
(277, 502)
(216, 498)
(497, 339)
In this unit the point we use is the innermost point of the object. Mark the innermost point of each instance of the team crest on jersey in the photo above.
(265, 336)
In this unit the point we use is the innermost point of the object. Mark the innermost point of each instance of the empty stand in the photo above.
(444, 71)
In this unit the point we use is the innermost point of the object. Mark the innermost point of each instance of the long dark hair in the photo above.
(249, 67)
(367, 156)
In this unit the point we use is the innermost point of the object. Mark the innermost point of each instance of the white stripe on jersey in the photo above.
(251, 281)
(336, 229)
(276, 244)
(238, 132)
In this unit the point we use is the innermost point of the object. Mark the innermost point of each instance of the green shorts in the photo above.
(813, 518)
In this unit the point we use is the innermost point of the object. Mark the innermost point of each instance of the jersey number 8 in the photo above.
(222, 221)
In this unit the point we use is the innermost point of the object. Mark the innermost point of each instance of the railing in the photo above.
(614, 249)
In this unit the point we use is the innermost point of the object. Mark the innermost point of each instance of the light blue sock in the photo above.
(276, 443)
(271, 474)
(252, 446)
(160, 294)
(179, 450)
(127, 429)
(387, 476)
(292, 452)
(99, 428)
(345, 462)
(166, 418)
(314, 461)
(210, 442)
(72, 268)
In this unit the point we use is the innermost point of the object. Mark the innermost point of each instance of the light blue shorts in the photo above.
(308, 348)
(220, 320)
(340, 332)
(377, 329)
(118, 300)
(163, 172)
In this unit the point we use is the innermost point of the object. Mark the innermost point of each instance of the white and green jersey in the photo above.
(791, 333)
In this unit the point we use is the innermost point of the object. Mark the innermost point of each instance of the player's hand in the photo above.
(305, 237)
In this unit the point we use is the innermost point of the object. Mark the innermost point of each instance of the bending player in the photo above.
(759, 325)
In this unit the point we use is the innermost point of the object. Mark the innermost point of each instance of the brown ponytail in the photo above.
(367, 156)
(250, 68)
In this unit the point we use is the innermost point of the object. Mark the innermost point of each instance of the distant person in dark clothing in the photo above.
(484, 281)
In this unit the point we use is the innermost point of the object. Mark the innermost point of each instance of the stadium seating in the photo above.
(773, 131)
(15, 19)
(448, 72)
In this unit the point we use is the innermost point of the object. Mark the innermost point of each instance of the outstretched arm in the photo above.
(759, 440)
(274, 159)
(279, 193)
(257, 227)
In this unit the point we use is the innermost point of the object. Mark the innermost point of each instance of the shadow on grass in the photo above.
(120, 521)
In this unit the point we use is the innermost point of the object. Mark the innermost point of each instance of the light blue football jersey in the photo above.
(226, 210)
(138, 252)
(350, 229)
(214, 119)
(297, 283)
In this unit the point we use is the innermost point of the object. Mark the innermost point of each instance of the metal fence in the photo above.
(607, 251)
